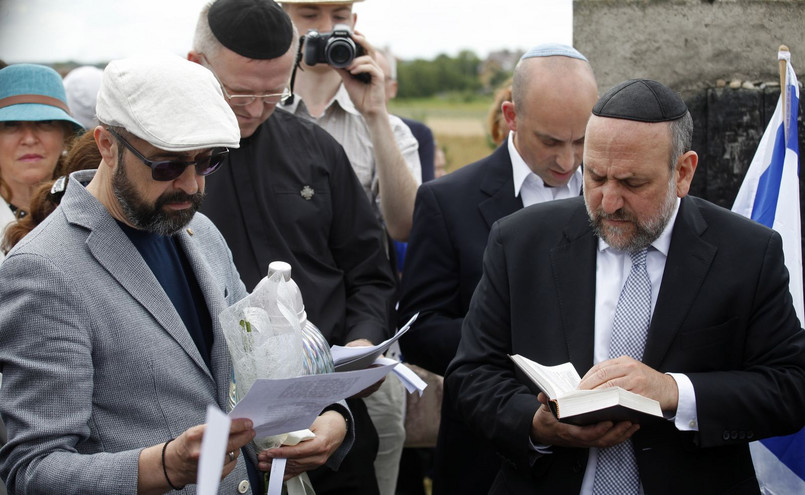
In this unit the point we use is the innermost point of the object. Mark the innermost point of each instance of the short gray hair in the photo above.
(204, 41)
(681, 137)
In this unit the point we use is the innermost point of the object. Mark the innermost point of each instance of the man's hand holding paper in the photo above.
(374, 387)
(330, 429)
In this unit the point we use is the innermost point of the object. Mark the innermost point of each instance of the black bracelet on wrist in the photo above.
(165, 469)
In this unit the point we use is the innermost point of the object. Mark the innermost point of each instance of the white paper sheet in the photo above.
(355, 358)
(289, 404)
(275, 478)
(213, 451)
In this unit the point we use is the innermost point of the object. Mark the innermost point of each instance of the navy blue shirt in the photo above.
(171, 268)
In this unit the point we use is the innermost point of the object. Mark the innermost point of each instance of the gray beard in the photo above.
(644, 234)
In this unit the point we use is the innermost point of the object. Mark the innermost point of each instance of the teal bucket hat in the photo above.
(30, 92)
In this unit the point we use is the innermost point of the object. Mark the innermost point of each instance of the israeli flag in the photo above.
(770, 195)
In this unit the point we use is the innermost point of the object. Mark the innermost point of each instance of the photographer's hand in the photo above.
(369, 98)
(397, 184)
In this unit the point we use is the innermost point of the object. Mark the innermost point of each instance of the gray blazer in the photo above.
(97, 363)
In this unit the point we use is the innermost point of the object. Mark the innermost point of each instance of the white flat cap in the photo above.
(174, 104)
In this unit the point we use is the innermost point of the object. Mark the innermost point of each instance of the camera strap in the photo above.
(297, 65)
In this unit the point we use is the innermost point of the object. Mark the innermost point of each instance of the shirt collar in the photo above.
(521, 171)
(344, 101)
(661, 243)
(341, 99)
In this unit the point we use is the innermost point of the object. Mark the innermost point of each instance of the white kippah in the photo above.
(174, 104)
(553, 50)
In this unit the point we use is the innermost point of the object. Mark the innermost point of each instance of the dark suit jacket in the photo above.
(723, 317)
(452, 219)
(427, 146)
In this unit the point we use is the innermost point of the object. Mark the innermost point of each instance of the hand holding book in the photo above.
(634, 376)
(583, 407)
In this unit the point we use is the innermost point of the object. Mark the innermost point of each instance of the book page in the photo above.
(555, 381)
(564, 376)
(614, 404)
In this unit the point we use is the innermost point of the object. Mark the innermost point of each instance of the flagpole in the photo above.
(783, 87)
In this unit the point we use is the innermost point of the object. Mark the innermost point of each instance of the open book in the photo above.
(582, 407)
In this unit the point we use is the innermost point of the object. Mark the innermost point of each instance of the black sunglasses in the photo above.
(167, 170)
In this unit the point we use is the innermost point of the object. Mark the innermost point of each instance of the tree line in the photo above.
(465, 73)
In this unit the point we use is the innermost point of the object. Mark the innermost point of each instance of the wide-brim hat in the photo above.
(30, 92)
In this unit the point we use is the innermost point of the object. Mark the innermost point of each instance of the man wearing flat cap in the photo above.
(554, 90)
(289, 194)
(636, 285)
(112, 348)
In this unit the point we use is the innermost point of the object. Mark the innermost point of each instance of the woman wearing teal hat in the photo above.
(35, 126)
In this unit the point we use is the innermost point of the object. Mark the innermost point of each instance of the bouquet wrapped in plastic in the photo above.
(268, 336)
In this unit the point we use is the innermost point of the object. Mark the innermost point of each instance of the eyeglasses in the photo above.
(243, 100)
(167, 170)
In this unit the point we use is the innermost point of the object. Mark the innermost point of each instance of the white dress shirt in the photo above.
(612, 269)
(530, 186)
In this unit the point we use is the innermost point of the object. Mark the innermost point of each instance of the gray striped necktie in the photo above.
(617, 472)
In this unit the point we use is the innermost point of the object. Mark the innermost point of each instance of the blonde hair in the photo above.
(498, 128)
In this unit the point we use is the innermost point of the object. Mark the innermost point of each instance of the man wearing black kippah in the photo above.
(290, 194)
(643, 287)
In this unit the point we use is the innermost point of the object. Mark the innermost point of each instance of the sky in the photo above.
(95, 31)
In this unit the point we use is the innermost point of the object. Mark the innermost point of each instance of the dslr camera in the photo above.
(336, 48)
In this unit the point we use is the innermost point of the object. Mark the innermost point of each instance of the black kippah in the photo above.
(642, 100)
(257, 29)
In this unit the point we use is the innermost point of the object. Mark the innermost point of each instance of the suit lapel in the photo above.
(498, 184)
(573, 265)
(113, 250)
(216, 302)
(689, 259)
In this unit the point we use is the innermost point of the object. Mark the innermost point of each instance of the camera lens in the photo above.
(340, 52)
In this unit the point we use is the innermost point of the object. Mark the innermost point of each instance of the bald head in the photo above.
(553, 78)
(552, 99)
(388, 64)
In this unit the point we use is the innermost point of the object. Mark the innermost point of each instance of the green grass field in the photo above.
(459, 126)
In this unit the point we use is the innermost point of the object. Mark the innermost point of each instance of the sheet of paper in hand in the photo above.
(582, 407)
(289, 404)
(357, 358)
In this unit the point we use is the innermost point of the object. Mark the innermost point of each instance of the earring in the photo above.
(63, 152)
